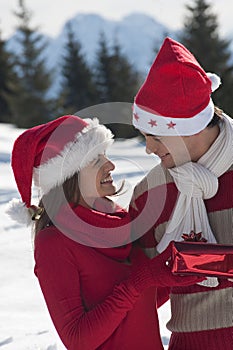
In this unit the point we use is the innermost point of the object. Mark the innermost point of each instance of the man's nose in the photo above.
(150, 147)
(148, 151)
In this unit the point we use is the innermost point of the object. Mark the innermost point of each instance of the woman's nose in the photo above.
(109, 165)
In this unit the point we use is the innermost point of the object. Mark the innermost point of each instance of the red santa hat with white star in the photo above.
(175, 98)
(51, 153)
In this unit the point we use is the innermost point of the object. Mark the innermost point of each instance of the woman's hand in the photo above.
(163, 275)
(157, 272)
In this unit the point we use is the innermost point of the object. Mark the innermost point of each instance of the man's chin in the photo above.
(168, 164)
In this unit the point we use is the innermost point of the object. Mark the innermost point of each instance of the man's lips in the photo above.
(164, 155)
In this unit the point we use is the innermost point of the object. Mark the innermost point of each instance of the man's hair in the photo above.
(216, 118)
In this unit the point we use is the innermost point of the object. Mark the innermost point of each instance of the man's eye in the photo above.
(158, 139)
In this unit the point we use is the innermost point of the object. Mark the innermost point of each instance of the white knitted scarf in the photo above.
(195, 182)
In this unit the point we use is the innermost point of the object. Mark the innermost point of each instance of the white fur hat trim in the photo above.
(88, 144)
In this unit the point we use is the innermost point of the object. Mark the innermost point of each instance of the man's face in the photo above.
(173, 150)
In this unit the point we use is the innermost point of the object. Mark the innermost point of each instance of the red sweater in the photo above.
(88, 297)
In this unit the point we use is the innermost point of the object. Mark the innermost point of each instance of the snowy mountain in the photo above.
(137, 34)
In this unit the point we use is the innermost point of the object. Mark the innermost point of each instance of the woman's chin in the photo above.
(109, 190)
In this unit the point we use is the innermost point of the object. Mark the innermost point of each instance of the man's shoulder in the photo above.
(157, 176)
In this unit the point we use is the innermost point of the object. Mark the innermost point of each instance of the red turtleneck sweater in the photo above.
(86, 291)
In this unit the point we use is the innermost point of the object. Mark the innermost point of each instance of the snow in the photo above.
(24, 320)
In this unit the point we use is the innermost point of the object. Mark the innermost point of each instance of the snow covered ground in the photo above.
(24, 321)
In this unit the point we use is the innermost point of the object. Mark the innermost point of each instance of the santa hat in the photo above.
(51, 153)
(175, 97)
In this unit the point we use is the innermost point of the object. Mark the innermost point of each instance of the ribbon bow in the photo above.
(193, 237)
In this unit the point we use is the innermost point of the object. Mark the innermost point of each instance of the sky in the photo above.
(51, 15)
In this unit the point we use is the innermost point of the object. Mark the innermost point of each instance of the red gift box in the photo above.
(198, 258)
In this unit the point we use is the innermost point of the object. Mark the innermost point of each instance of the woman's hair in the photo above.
(51, 202)
(218, 113)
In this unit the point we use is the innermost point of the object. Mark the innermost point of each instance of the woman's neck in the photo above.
(102, 204)
(87, 202)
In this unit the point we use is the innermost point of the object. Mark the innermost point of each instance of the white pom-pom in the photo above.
(18, 211)
(215, 81)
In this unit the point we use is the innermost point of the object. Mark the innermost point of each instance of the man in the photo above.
(190, 191)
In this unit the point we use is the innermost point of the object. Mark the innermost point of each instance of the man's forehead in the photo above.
(146, 134)
(160, 136)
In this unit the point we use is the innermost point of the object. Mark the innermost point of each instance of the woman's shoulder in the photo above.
(48, 234)
(51, 238)
(53, 246)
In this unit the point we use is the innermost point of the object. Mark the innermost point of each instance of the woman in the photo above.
(99, 289)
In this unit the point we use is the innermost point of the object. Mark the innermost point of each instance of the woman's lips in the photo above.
(107, 180)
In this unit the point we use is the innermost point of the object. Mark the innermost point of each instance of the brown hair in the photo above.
(51, 202)
(218, 113)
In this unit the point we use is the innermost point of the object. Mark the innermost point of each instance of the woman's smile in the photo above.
(107, 180)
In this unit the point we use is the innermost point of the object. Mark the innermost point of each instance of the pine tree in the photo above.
(202, 38)
(30, 105)
(103, 74)
(117, 81)
(78, 87)
(7, 82)
(125, 79)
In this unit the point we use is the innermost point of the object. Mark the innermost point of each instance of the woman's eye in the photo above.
(97, 161)
(94, 162)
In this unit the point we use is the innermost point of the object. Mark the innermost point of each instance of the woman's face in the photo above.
(95, 179)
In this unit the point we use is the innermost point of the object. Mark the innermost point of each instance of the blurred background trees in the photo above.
(25, 80)
(78, 89)
(201, 36)
(7, 83)
(29, 104)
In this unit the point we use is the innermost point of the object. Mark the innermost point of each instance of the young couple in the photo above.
(102, 290)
